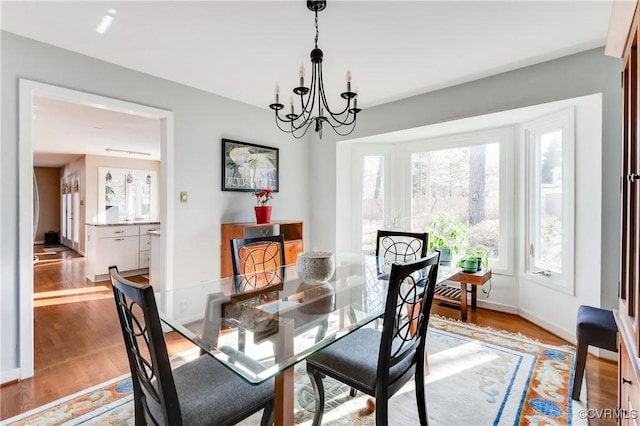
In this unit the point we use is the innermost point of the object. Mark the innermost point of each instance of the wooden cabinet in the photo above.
(628, 387)
(291, 230)
(126, 246)
(622, 42)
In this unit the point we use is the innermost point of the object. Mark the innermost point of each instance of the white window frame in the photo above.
(505, 137)
(564, 120)
(358, 151)
(140, 173)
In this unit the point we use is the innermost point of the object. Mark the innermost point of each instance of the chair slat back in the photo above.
(258, 262)
(152, 378)
(399, 246)
(406, 318)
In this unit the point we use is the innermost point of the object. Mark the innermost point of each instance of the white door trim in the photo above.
(27, 91)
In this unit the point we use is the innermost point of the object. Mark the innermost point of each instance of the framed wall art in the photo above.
(248, 167)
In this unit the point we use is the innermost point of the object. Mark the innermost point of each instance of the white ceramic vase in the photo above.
(316, 267)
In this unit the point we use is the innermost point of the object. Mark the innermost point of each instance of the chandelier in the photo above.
(313, 100)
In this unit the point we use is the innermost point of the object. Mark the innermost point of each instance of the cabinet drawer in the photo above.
(146, 228)
(117, 231)
(145, 242)
(261, 231)
(144, 259)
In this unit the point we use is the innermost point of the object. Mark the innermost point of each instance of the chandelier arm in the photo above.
(341, 119)
(352, 127)
(304, 117)
(292, 122)
(312, 94)
(306, 128)
(338, 117)
(293, 129)
(349, 119)
(326, 103)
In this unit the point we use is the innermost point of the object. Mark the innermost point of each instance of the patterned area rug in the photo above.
(477, 377)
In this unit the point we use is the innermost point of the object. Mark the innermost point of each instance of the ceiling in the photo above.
(240, 49)
(63, 131)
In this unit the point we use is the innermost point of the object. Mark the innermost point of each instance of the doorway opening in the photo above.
(29, 92)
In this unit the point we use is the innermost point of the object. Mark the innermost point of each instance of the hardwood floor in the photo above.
(78, 342)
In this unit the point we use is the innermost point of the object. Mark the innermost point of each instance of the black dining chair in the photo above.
(399, 246)
(199, 392)
(380, 363)
(258, 262)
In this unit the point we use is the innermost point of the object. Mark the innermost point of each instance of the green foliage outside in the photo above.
(446, 233)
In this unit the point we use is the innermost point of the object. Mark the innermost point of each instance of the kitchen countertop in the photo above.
(124, 223)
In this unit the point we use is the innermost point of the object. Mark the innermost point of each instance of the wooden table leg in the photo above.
(283, 404)
(474, 297)
(463, 301)
(283, 398)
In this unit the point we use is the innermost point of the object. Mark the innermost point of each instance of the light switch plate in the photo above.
(183, 196)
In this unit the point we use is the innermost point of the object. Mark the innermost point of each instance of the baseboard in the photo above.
(10, 376)
(604, 354)
(493, 306)
(38, 242)
(569, 337)
(563, 334)
(105, 277)
(551, 328)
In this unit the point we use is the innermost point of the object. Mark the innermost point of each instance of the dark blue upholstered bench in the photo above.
(596, 327)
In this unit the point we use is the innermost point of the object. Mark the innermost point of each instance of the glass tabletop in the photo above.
(261, 332)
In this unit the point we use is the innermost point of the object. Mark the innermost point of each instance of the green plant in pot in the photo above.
(446, 235)
(473, 260)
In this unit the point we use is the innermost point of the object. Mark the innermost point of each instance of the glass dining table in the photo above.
(262, 333)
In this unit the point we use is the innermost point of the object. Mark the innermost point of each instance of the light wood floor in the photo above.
(78, 342)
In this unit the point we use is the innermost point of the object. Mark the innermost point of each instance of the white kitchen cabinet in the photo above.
(155, 263)
(126, 246)
(144, 249)
(120, 251)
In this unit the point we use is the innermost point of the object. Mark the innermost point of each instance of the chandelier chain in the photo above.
(317, 31)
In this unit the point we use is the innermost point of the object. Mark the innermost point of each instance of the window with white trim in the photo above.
(549, 200)
(462, 185)
(466, 179)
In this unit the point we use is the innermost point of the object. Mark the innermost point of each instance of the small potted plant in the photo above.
(263, 211)
(473, 260)
(446, 235)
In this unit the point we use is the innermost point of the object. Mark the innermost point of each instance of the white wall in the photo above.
(201, 120)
